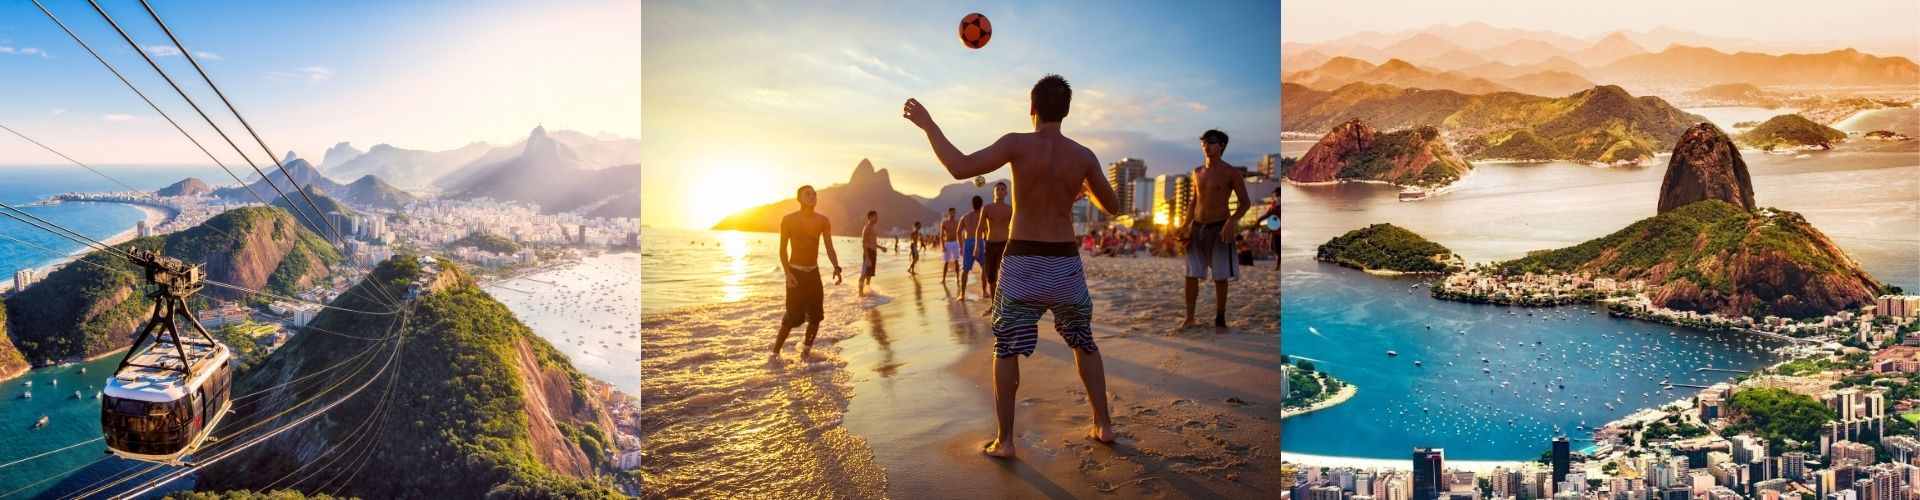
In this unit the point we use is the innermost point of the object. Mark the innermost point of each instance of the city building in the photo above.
(1429, 478)
(1123, 174)
(25, 278)
(1269, 166)
(1899, 306)
(1562, 451)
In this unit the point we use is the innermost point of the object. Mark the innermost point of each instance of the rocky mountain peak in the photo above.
(1705, 165)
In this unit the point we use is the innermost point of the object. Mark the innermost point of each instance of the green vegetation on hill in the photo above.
(1769, 261)
(248, 495)
(316, 219)
(1777, 414)
(92, 305)
(11, 362)
(1391, 147)
(1386, 247)
(459, 421)
(1791, 130)
(489, 242)
(1523, 144)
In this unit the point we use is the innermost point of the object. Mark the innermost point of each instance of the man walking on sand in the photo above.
(801, 235)
(913, 248)
(1211, 230)
(1042, 270)
(950, 246)
(869, 250)
(970, 240)
(995, 219)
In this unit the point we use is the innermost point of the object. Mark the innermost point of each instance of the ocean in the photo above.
(1345, 320)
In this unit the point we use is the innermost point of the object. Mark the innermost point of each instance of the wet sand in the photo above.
(897, 399)
(1197, 412)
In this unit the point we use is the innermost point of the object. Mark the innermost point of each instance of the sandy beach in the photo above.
(1346, 392)
(898, 399)
(154, 217)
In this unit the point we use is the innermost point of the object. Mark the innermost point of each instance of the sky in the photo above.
(418, 74)
(1885, 26)
(748, 100)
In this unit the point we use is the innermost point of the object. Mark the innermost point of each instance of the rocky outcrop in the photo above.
(1354, 151)
(845, 206)
(1705, 166)
(186, 187)
(12, 364)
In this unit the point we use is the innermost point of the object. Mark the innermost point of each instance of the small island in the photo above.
(1792, 132)
(1388, 249)
(1310, 390)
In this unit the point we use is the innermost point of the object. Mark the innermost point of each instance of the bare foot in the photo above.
(1184, 325)
(998, 449)
(1101, 434)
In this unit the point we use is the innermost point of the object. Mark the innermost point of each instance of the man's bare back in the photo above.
(969, 225)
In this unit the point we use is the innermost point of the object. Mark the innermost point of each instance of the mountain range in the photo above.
(1657, 58)
(544, 170)
(1602, 124)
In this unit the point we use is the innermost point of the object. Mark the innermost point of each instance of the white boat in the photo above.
(1393, 353)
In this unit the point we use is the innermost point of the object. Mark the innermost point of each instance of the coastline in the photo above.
(154, 218)
(1346, 392)
(1311, 460)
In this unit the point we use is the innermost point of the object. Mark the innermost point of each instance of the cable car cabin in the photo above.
(160, 414)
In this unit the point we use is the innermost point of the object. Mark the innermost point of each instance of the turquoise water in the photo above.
(70, 421)
(1344, 320)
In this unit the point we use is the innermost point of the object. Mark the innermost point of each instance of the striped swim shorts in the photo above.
(1037, 277)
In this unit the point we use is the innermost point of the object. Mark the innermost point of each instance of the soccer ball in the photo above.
(979, 181)
(975, 30)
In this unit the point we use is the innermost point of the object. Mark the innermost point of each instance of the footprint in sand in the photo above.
(1183, 402)
(1234, 401)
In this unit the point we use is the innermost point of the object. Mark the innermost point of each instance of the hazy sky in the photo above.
(1877, 22)
(748, 100)
(416, 74)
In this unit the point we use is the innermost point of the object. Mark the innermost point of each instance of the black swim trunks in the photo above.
(996, 250)
(868, 258)
(805, 299)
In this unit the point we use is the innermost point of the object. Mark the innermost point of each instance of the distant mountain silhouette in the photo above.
(1680, 64)
(545, 172)
(959, 197)
(367, 192)
(845, 205)
(338, 154)
(410, 168)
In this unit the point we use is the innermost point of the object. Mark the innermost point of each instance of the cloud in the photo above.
(161, 50)
(312, 74)
(119, 118)
(26, 51)
(56, 112)
(170, 51)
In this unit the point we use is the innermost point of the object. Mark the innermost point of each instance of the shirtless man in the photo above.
(970, 243)
(1210, 232)
(913, 248)
(994, 221)
(1042, 270)
(869, 250)
(950, 246)
(801, 234)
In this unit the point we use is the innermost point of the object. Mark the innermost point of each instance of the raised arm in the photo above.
(958, 164)
(1102, 192)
